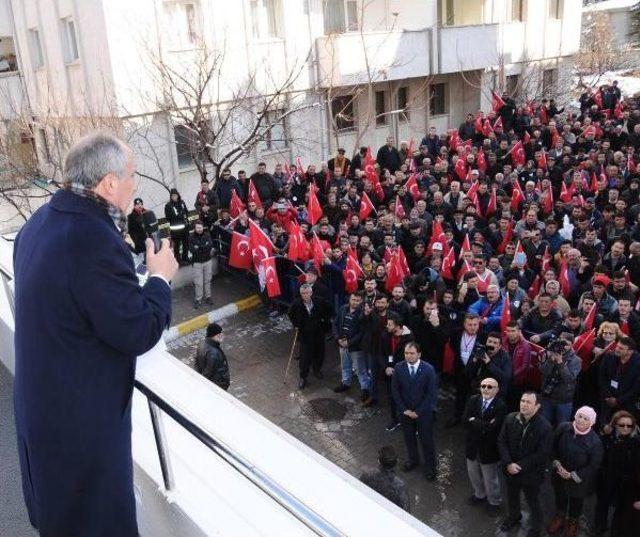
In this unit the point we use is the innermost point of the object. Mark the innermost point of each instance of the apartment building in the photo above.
(353, 73)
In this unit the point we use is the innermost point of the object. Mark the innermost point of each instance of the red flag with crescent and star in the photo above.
(240, 251)
(253, 194)
(271, 277)
(351, 273)
(236, 206)
(261, 245)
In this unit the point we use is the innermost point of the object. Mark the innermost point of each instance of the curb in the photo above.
(201, 321)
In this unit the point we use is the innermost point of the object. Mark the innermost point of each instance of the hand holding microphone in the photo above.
(160, 258)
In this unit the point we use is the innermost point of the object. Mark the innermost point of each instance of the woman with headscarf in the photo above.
(577, 453)
(617, 479)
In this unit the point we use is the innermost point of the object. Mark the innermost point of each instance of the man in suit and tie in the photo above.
(483, 417)
(414, 388)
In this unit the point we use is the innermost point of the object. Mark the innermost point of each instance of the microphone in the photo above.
(150, 223)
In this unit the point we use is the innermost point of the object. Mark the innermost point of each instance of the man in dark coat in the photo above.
(388, 156)
(135, 226)
(211, 361)
(415, 391)
(483, 417)
(619, 379)
(265, 185)
(525, 443)
(432, 331)
(385, 481)
(76, 341)
(177, 215)
(312, 319)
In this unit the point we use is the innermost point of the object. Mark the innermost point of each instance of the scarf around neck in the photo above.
(117, 216)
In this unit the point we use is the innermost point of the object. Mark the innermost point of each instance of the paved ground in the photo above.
(258, 347)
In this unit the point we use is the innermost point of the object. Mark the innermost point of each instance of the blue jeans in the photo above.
(556, 412)
(358, 358)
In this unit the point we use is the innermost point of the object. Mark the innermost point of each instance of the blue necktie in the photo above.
(485, 404)
(412, 370)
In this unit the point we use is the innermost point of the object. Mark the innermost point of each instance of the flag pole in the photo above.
(293, 346)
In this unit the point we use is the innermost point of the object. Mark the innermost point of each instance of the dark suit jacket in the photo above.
(418, 393)
(81, 321)
(483, 429)
(312, 326)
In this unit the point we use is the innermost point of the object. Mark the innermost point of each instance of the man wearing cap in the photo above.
(385, 481)
(135, 226)
(339, 162)
(211, 362)
(201, 247)
(606, 304)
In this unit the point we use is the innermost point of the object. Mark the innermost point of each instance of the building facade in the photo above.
(350, 73)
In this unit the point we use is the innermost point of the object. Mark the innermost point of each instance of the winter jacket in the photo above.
(390, 355)
(580, 455)
(535, 324)
(565, 374)
(224, 190)
(626, 378)
(499, 368)
(200, 246)
(491, 312)
(349, 325)
(212, 363)
(528, 444)
(520, 360)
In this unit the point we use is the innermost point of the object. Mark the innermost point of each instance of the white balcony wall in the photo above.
(6, 28)
(11, 96)
(468, 47)
(391, 56)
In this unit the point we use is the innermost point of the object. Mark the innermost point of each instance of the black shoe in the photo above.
(430, 475)
(392, 426)
(452, 423)
(364, 396)
(302, 384)
(493, 510)
(209, 300)
(196, 304)
(318, 374)
(509, 523)
(408, 466)
(474, 500)
(341, 388)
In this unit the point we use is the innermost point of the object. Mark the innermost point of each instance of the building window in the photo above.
(69, 41)
(276, 137)
(266, 17)
(555, 9)
(403, 103)
(340, 16)
(381, 108)
(342, 111)
(185, 145)
(549, 79)
(437, 99)
(517, 10)
(35, 47)
(42, 147)
(8, 61)
(512, 85)
(183, 28)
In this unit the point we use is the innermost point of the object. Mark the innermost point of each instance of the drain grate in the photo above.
(324, 409)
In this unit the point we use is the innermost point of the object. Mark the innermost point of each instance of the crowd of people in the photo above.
(503, 257)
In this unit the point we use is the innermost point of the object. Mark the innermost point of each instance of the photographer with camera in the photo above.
(489, 360)
(559, 367)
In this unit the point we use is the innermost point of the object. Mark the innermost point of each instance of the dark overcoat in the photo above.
(81, 320)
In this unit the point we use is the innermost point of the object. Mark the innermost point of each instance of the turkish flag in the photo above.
(496, 101)
(293, 249)
(271, 277)
(518, 155)
(315, 210)
(454, 140)
(631, 165)
(593, 187)
(517, 196)
(597, 98)
(482, 162)
(547, 201)
(466, 246)
(463, 270)
(318, 252)
(618, 111)
(492, 206)
(402, 259)
(583, 346)
(487, 129)
(472, 193)
(399, 210)
(567, 193)
(394, 273)
(410, 151)
(563, 279)
(478, 123)
(461, 168)
(542, 160)
(236, 206)
(529, 107)
(365, 207)
(253, 194)
(526, 138)
(412, 187)
(546, 260)
(448, 359)
(498, 124)
(505, 318)
(351, 274)
(544, 117)
(240, 251)
(448, 262)
(533, 291)
(261, 245)
(299, 166)
(437, 235)
(591, 317)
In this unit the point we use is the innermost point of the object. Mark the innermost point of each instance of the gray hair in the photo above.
(306, 287)
(93, 157)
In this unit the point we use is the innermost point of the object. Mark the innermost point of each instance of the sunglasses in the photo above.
(478, 262)
(624, 425)
(487, 387)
